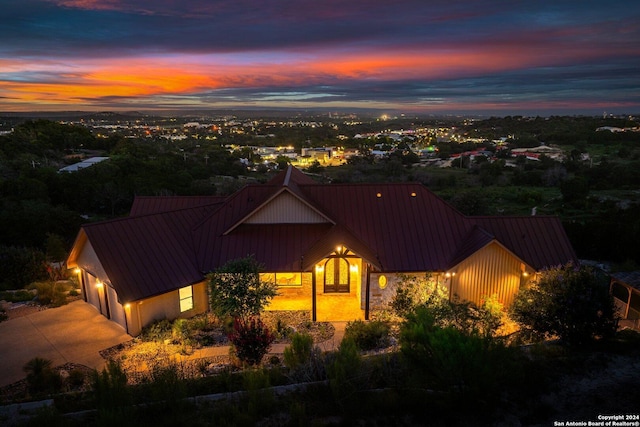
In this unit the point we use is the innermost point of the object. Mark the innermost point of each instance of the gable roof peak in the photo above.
(290, 176)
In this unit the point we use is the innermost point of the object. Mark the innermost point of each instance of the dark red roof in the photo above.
(397, 227)
(540, 241)
(147, 255)
(144, 205)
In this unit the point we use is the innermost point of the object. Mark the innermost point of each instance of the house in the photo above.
(335, 250)
(86, 163)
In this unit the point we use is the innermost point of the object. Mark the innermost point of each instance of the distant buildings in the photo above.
(83, 164)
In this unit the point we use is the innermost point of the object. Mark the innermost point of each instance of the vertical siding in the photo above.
(286, 209)
(492, 270)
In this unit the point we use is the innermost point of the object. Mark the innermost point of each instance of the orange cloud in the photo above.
(90, 81)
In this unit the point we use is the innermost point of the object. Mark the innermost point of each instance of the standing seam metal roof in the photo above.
(398, 227)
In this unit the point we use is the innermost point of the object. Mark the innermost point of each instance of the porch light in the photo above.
(378, 195)
(525, 274)
(382, 281)
(413, 194)
(319, 268)
(77, 271)
(127, 306)
(353, 268)
(98, 285)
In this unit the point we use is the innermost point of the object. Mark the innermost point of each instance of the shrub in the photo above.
(567, 302)
(344, 372)
(306, 362)
(251, 340)
(451, 359)
(41, 377)
(299, 352)
(110, 391)
(51, 293)
(468, 317)
(260, 399)
(412, 291)
(157, 331)
(416, 292)
(368, 335)
(21, 295)
(180, 330)
(167, 384)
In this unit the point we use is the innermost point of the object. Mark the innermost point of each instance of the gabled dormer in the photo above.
(288, 205)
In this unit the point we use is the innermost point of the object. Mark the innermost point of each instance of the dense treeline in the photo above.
(37, 202)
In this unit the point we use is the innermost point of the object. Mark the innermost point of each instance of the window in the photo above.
(336, 275)
(282, 279)
(186, 298)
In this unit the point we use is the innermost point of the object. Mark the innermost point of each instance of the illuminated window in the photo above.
(336, 275)
(186, 298)
(282, 279)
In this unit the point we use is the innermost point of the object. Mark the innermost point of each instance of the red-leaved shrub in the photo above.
(251, 339)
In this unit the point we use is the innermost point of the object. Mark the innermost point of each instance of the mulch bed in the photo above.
(15, 310)
(136, 355)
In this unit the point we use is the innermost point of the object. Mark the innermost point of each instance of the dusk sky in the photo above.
(433, 56)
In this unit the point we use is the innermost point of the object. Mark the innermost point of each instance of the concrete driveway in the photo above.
(76, 333)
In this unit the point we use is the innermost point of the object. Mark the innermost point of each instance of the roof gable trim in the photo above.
(258, 215)
(492, 242)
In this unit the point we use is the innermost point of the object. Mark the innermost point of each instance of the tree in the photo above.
(574, 190)
(55, 251)
(568, 302)
(237, 291)
(283, 162)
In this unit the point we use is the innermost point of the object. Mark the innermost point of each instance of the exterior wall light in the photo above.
(382, 281)
(98, 285)
(353, 268)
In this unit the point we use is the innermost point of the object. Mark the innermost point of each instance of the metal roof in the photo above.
(540, 241)
(144, 205)
(631, 278)
(399, 227)
(147, 255)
